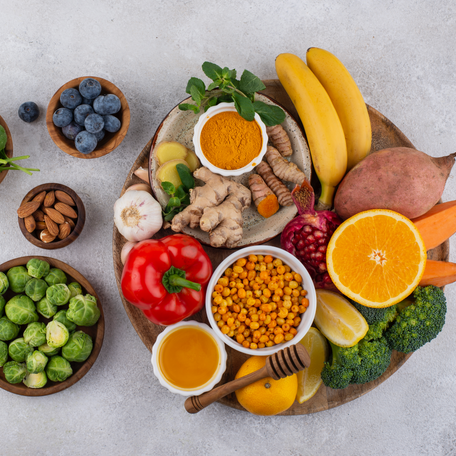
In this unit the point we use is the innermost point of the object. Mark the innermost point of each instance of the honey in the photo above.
(188, 358)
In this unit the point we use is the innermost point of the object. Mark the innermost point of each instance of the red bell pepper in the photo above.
(167, 278)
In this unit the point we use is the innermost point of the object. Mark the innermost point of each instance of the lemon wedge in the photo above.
(338, 320)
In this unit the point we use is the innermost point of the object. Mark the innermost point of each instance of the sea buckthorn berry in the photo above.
(241, 262)
(293, 331)
(214, 309)
(270, 343)
(295, 309)
(253, 346)
(288, 336)
(286, 327)
(238, 269)
(293, 284)
(254, 325)
(240, 338)
(268, 259)
(287, 291)
(287, 268)
(297, 277)
(253, 258)
(296, 321)
(277, 262)
(260, 258)
(278, 338)
(220, 323)
(305, 302)
(223, 281)
(303, 292)
(280, 321)
(254, 317)
(256, 334)
(245, 344)
(280, 269)
(264, 338)
(250, 266)
(218, 288)
(296, 293)
(288, 276)
(221, 310)
(260, 345)
(226, 292)
(267, 320)
(228, 272)
(217, 317)
(287, 305)
(266, 308)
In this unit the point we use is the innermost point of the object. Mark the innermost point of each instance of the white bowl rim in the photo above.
(222, 362)
(291, 261)
(217, 109)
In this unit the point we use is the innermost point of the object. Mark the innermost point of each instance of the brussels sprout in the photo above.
(61, 316)
(35, 334)
(18, 350)
(3, 353)
(18, 278)
(83, 310)
(38, 268)
(21, 310)
(36, 362)
(36, 289)
(47, 350)
(58, 369)
(2, 305)
(14, 372)
(78, 347)
(56, 276)
(35, 380)
(4, 283)
(56, 334)
(8, 329)
(58, 294)
(45, 308)
(75, 289)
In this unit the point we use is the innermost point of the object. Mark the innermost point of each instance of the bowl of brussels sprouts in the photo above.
(51, 326)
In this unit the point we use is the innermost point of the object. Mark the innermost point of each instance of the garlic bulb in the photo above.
(137, 215)
(126, 249)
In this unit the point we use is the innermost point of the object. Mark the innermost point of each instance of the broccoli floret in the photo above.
(420, 322)
(375, 358)
(374, 315)
(337, 373)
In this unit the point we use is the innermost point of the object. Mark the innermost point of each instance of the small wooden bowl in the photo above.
(109, 142)
(96, 332)
(8, 148)
(32, 237)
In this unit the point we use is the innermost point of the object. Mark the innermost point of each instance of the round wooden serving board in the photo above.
(8, 147)
(384, 134)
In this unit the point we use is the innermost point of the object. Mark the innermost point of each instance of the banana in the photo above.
(322, 125)
(347, 100)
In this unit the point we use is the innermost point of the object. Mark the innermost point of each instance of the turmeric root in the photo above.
(275, 184)
(280, 140)
(283, 168)
(263, 197)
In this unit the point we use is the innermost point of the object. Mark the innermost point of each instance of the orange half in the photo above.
(376, 257)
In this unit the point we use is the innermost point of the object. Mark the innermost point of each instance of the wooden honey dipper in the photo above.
(284, 363)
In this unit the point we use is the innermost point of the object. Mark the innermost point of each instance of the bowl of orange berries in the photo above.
(260, 300)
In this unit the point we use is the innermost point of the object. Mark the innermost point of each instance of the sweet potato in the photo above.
(401, 179)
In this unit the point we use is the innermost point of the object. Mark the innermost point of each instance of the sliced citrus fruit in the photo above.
(338, 320)
(309, 379)
(376, 257)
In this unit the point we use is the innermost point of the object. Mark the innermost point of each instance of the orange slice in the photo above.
(376, 257)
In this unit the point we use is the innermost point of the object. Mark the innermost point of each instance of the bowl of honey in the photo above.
(188, 358)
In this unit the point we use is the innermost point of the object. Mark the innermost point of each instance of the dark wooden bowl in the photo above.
(8, 148)
(33, 237)
(96, 332)
(110, 141)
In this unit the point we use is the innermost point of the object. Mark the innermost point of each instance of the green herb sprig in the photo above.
(226, 88)
(6, 163)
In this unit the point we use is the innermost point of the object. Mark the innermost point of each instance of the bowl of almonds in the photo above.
(51, 216)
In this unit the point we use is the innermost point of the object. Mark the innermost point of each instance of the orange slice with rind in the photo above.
(376, 257)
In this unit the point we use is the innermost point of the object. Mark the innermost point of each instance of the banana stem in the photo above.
(325, 201)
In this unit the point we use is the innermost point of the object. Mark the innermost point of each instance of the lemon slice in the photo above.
(309, 380)
(338, 320)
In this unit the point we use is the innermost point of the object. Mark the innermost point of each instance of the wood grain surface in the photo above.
(109, 142)
(75, 232)
(384, 134)
(96, 332)
(8, 147)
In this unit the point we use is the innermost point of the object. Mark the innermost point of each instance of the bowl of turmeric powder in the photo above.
(228, 144)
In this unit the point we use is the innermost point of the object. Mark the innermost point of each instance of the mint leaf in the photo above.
(214, 85)
(211, 102)
(189, 107)
(185, 176)
(168, 187)
(180, 192)
(3, 138)
(173, 202)
(233, 74)
(195, 82)
(244, 106)
(212, 71)
(250, 83)
(226, 73)
(270, 115)
(196, 94)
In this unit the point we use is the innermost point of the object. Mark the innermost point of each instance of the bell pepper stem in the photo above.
(174, 280)
(177, 281)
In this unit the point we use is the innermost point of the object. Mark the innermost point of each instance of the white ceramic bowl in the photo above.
(295, 265)
(195, 391)
(226, 107)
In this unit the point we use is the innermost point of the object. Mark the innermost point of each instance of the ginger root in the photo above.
(275, 184)
(280, 140)
(283, 168)
(263, 197)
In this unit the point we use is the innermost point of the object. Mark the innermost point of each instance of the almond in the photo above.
(40, 197)
(40, 225)
(38, 215)
(64, 198)
(56, 216)
(28, 209)
(70, 222)
(51, 226)
(30, 223)
(66, 210)
(49, 199)
(46, 237)
(65, 230)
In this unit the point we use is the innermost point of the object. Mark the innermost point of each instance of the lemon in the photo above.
(338, 320)
(309, 380)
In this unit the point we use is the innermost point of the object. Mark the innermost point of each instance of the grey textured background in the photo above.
(401, 53)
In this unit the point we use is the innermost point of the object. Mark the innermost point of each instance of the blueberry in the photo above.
(100, 135)
(28, 111)
(94, 123)
(72, 130)
(81, 112)
(62, 117)
(111, 123)
(87, 101)
(85, 142)
(107, 104)
(70, 98)
(90, 88)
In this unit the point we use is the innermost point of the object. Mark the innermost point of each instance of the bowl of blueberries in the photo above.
(88, 117)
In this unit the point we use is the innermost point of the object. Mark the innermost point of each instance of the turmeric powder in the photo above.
(230, 142)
